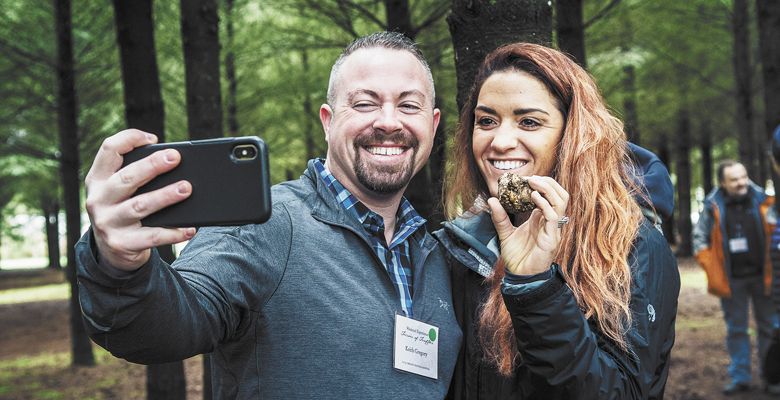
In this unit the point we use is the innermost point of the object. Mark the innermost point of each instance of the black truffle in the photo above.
(514, 193)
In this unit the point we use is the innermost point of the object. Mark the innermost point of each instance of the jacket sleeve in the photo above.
(161, 313)
(703, 228)
(568, 352)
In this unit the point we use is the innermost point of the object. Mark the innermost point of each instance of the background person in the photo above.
(305, 305)
(554, 310)
(731, 241)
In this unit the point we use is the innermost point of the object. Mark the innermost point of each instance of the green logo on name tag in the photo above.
(432, 335)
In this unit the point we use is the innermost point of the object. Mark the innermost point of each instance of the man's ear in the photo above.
(326, 117)
(436, 119)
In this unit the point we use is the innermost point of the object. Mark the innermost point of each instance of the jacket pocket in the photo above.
(717, 283)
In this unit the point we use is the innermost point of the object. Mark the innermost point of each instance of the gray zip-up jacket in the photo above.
(298, 307)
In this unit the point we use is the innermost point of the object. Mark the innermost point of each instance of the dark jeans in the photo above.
(735, 312)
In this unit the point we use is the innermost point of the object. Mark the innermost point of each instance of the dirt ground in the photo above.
(698, 369)
(30, 329)
(699, 358)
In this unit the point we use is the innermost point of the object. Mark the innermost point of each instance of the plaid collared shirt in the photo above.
(396, 257)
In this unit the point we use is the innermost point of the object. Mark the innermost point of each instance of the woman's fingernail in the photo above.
(183, 188)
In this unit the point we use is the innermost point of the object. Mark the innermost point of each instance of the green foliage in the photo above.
(98, 81)
(28, 140)
(681, 53)
(170, 63)
(679, 63)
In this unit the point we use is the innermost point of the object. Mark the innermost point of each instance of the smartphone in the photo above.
(229, 177)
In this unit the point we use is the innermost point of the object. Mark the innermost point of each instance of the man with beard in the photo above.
(731, 242)
(342, 293)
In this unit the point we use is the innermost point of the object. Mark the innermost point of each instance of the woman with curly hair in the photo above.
(577, 297)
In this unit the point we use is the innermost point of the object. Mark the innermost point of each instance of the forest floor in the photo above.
(35, 350)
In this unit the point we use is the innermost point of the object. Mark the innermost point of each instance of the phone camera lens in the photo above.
(244, 152)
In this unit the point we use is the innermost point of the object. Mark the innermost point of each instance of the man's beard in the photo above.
(385, 179)
(739, 197)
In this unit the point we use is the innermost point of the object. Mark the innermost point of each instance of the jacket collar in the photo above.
(471, 239)
(325, 207)
(718, 195)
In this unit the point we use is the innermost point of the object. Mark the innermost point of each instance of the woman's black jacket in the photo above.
(563, 355)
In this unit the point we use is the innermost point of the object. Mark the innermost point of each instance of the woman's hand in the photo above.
(530, 248)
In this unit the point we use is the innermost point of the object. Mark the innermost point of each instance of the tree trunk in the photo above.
(51, 211)
(629, 79)
(479, 27)
(769, 45)
(230, 73)
(436, 165)
(629, 105)
(705, 144)
(308, 111)
(571, 31)
(200, 39)
(69, 170)
(1, 236)
(742, 71)
(144, 110)
(207, 382)
(141, 82)
(764, 164)
(664, 155)
(399, 18)
(6, 195)
(166, 381)
(684, 227)
(307, 105)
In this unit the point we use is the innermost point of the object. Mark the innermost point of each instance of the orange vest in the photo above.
(713, 261)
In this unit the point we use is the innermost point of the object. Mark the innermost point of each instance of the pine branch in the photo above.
(433, 17)
(16, 52)
(340, 17)
(694, 71)
(365, 12)
(602, 13)
(16, 146)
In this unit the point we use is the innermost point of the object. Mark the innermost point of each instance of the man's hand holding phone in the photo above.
(116, 212)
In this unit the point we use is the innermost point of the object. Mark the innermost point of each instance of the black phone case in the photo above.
(225, 190)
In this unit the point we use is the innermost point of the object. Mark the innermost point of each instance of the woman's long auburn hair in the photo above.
(593, 165)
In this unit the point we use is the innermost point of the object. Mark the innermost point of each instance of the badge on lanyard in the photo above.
(738, 245)
(416, 347)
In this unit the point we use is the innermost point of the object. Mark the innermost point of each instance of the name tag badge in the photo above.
(738, 245)
(416, 347)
